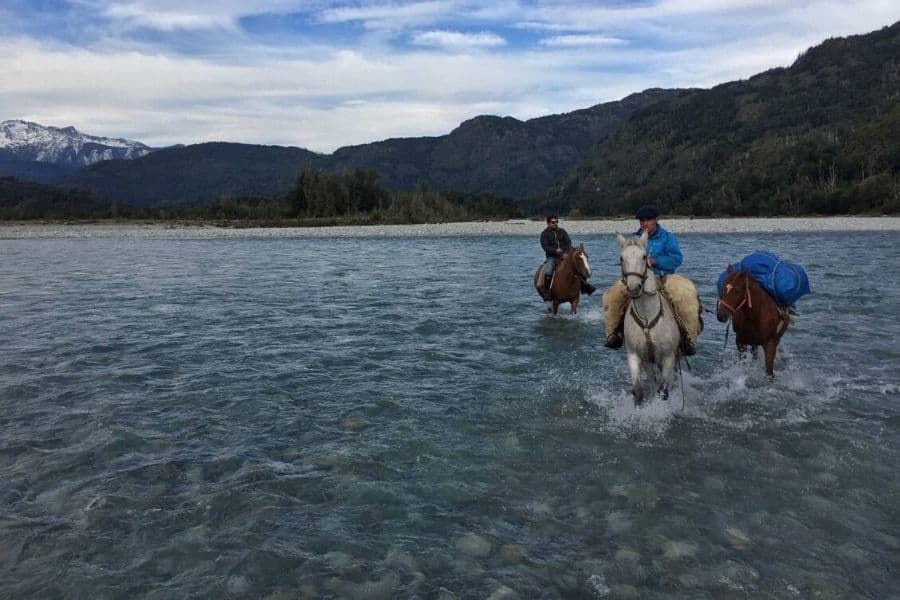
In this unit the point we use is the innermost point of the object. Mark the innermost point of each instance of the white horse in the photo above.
(651, 333)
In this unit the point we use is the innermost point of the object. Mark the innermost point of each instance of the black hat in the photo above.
(647, 211)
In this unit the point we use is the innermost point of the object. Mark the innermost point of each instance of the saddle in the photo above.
(540, 272)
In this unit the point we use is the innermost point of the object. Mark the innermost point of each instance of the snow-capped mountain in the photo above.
(21, 140)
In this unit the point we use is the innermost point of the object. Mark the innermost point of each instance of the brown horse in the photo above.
(755, 317)
(567, 278)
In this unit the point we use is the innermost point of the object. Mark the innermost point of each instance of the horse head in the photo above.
(633, 262)
(580, 262)
(734, 295)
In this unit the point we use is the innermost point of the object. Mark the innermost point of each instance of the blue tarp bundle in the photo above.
(785, 282)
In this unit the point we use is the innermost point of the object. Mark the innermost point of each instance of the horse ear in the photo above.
(643, 239)
(622, 240)
(729, 270)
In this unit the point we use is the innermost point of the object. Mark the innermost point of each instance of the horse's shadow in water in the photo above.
(652, 337)
(756, 318)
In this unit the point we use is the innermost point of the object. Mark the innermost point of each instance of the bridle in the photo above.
(646, 325)
(573, 256)
(642, 275)
(746, 299)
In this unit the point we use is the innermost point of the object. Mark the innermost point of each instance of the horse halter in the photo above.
(642, 275)
(745, 300)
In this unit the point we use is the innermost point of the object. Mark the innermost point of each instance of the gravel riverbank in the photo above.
(512, 227)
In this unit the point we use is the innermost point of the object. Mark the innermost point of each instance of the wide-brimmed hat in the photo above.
(647, 211)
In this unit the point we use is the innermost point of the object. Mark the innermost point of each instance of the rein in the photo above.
(648, 326)
(645, 325)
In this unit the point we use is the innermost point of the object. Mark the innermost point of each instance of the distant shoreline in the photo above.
(515, 227)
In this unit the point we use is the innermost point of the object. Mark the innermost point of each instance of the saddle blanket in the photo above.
(786, 282)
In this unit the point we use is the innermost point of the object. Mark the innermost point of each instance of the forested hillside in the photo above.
(501, 156)
(819, 137)
(498, 155)
(197, 174)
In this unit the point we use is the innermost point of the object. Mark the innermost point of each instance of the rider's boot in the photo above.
(615, 339)
(687, 346)
(547, 281)
(587, 288)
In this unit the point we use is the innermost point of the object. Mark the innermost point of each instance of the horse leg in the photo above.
(634, 365)
(769, 349)
(554, 306)
(574, 304)
(667, 371)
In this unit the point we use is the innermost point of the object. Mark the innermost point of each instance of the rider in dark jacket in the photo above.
(556, 244)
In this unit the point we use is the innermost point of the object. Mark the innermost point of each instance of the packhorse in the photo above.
(568, 276)
(652, 336)
(756, 318)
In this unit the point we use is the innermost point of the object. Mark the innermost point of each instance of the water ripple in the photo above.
(393, 417)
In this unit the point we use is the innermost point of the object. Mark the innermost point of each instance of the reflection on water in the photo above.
(384, 418)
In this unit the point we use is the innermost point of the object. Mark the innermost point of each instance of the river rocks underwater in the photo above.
(398, 417)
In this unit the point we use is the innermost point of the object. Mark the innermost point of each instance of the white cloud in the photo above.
(456, 39)
(187, 100)
(581, 40)
(172, 15)
(391, 15)
(133, 16)
(323, 95)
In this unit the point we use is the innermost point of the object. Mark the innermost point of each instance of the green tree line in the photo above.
(354, 197)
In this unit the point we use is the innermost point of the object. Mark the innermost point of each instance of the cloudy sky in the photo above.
(321, 74)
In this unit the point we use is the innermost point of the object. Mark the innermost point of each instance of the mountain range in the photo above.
(505, 156)
(48, 152)
(822, 135)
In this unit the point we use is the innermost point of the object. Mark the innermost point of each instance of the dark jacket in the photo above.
(551, 240)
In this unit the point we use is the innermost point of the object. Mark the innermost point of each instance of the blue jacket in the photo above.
(663, 248)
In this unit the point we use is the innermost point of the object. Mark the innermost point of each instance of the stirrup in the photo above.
(614, 340)
(548, 283)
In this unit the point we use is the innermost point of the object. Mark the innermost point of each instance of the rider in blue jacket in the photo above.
(664, 257)
(663, 251)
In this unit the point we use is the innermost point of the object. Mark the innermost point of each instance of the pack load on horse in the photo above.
(652, 335)
(757, 294)
(564, 273)
(663, 256)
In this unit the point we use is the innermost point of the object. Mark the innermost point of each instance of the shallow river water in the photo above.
(399, 418)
